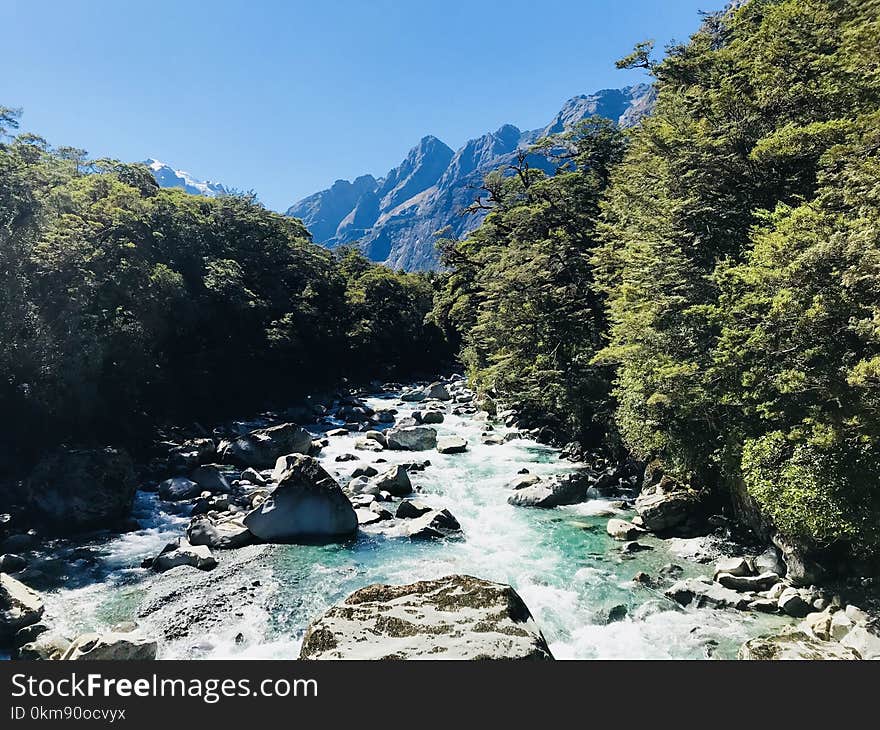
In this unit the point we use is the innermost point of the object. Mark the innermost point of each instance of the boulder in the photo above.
(793, 644)
(663, 510)
(19, 606)
(395, 481)
(769, 561)
(364, 470)
(733, 566)
(762, 582)
(438, 391)
(262, 447)
(522, 481)
(841, 624)
(452, 445)
(212, 503)
(432, 525)
(226, 533)
(177, 489)
(429, 417)
(413, 395)
(457, 617)
(793, 604)
(818, 624)
(701, 593)
(412, 438)
(410, 508)
(210, 478)
(334, 432)
(622, 530)
(111, 646)
(377, 436)
(368, 445)
(491, 439)
(12, 563)
(307, 505)
(49, 645)
(190, 454)
(181, 552)
(865, 640)
(566, 489)
(367, 517)
(78, 489)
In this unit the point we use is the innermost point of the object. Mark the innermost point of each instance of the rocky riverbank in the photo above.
(252, 535)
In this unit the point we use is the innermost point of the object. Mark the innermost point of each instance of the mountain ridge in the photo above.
(394, 219)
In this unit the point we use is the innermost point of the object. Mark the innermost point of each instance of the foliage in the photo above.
(740, 263)
(122, 304)
(520, 294)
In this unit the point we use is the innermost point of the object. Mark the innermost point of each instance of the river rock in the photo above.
(177, 489)
(210, 478)
(755, 583)
(49, 645)
(865, 640)
(818, 624)
(432, 417)
(562, 490)
(226, 533)
(367, 517)
(262, 447)
(212, 503)
(457, 617)
(410, 508)
(663, 510)
(111, 647)
(701, 593)
(437, 391)
(841, 624)
(181, 552)
(12, 563)
(521, 481)
(19, 606)
(395, 481)
(769, 561)
(414, 395)
(432, 525)
(412, 438)
(793, 604)
(793, 644)
(364, 470)
(366, 444)
(190, 454)
(452, 445)
(622, 530)
(307, 505)
(79, 489)
(491, 439)
(733, 566)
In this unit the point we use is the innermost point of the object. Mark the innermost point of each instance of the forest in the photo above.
(124, 306)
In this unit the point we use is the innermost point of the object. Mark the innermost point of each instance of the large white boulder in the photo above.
(411, 438)
(307, 505)
(457, 617)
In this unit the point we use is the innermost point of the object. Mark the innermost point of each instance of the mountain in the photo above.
(168, 177)
(394, 219)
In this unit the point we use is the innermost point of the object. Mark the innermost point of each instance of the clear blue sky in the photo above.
(284, 96)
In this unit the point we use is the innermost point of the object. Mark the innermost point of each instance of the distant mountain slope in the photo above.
(168, 177)
(394, 219)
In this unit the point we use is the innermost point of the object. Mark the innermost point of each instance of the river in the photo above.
(569, 572)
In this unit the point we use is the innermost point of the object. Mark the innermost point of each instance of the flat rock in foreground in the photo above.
(456, 617)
